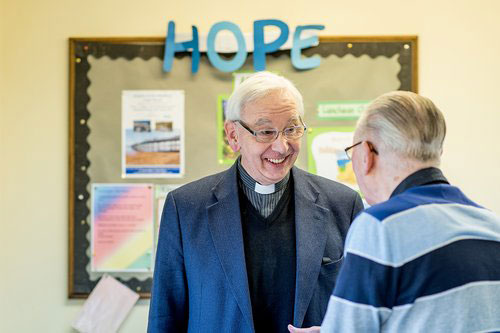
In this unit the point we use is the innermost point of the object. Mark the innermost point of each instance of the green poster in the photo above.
(326, 155)
(225, 155)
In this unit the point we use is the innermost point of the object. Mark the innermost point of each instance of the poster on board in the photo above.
(161, 192)
(239, 77)
(326, 155)
(152, 133)
(122, 227)
(341, 109)
(225, 154)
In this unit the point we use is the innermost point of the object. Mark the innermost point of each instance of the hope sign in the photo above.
(260, 47)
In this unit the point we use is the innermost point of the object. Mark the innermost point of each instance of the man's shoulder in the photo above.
(421, 197)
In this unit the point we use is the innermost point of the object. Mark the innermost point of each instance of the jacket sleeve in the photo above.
(168, 311)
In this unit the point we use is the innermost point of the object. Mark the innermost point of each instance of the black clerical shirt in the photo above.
(270, 261)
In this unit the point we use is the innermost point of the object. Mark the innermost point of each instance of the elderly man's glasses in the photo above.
(348, 150)
(271, 134)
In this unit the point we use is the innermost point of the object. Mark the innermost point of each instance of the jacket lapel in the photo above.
(310, 226)
(224, 221)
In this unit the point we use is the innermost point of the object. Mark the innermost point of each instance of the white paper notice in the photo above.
(152, 133)
(106, 308)
(161, 192)
(330, 160)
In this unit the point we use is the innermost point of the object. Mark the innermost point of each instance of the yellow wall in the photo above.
(459, 70)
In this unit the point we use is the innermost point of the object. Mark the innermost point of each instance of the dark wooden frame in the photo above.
(80, 287)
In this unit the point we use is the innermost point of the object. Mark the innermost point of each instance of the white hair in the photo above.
(406, 124)
(257, 86)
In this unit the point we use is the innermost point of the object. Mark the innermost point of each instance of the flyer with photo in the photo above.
(152, 133)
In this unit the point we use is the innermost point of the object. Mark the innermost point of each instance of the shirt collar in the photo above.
(421, 177)
(250, 183)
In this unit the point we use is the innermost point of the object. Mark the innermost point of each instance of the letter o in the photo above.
(241, 55)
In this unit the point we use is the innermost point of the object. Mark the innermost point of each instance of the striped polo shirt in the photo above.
(426, 260)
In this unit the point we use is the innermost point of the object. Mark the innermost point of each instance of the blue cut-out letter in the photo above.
(171, 47)
(213, 56)
(260, 48)
(299, 44)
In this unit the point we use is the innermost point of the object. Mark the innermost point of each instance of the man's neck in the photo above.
(390, 178)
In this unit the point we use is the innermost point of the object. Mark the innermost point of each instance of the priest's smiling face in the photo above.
(268, 163)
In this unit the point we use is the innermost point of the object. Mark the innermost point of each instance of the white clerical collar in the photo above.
(265, 189)
(250, 183)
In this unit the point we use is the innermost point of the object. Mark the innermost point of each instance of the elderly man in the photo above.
(258, 246)
(424, 257)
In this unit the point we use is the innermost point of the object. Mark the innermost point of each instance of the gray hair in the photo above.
(407, 124)
(257, 86)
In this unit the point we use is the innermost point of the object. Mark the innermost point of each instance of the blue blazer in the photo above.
(200, 279)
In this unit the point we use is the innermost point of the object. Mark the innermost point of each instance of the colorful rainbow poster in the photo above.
(122, 227)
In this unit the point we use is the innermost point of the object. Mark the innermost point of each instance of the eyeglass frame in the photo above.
(278, 132)
(349, 156)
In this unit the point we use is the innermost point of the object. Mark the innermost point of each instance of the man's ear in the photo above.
(232, 135)
(367, 158)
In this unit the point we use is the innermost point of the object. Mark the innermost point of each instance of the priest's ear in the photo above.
(232, 135)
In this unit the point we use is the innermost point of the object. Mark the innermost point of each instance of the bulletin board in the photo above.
(352, 69)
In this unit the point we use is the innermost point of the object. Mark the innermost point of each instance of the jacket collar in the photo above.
(311, 219)
(421, 177)
(224, 222)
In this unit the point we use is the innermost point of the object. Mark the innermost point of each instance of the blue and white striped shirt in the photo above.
(426, 260)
